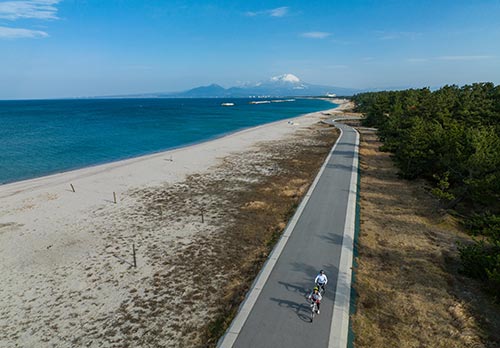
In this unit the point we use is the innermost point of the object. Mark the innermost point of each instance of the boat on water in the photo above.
(282, 100)
(227, 104)
(260, 102)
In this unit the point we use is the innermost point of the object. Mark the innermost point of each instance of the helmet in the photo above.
(322, 272)
(316, 288)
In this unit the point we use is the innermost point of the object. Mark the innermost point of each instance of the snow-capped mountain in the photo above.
(284, 81)
(285, 78)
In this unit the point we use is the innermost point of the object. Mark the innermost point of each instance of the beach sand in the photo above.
(66, 265)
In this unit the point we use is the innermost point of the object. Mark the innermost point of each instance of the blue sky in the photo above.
(51, 48)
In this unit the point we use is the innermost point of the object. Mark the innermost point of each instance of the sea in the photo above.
(42, 137)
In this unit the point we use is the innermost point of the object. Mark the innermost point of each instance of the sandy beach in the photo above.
(66, 271)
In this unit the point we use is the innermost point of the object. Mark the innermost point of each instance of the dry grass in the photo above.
(191, 274)
(409, 291)
(200, 280)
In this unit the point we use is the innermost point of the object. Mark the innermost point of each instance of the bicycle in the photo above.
(314, 309)
(322, 288)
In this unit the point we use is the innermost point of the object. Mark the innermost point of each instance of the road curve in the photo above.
(319, 236)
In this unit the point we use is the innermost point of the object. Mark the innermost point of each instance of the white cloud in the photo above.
(18, 33)
(464, 57)
(276, 12)
(38, 9)
(26, 9)
(315, 35)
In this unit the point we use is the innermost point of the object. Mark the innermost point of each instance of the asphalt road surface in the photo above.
(280, 316)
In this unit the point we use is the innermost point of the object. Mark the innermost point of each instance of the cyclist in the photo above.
(315, 296)
(321, 280)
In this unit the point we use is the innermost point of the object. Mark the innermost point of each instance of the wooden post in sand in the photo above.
(72, 187)
(114, 197)
(133, 252)
(202, 218)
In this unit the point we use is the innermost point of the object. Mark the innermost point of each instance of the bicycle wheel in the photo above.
(322, 289)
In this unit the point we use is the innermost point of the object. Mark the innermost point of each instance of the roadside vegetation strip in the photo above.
(451, 138)
(234, 329)
(409, 290)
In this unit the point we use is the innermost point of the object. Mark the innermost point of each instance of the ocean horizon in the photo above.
(44, 137)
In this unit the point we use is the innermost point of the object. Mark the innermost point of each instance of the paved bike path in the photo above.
(280, 316)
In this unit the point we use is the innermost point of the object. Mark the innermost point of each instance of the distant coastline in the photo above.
(191, 123)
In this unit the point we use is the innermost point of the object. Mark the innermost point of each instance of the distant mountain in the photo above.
(286, 85)
(205, 91)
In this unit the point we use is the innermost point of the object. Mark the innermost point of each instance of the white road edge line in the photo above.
(227, 341)
(339, 328)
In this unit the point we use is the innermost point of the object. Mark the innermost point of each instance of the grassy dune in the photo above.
(410, 291)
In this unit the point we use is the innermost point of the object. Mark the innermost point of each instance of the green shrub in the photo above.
(475, 260)
(484, 224)
(441, 191)
(481, 260)
(494, 275)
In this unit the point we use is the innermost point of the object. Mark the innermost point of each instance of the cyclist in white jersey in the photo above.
(321, 280)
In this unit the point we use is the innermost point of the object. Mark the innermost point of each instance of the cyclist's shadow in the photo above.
(301, 309)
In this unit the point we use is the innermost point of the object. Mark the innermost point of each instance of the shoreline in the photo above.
(74, 174)
(156, 152)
